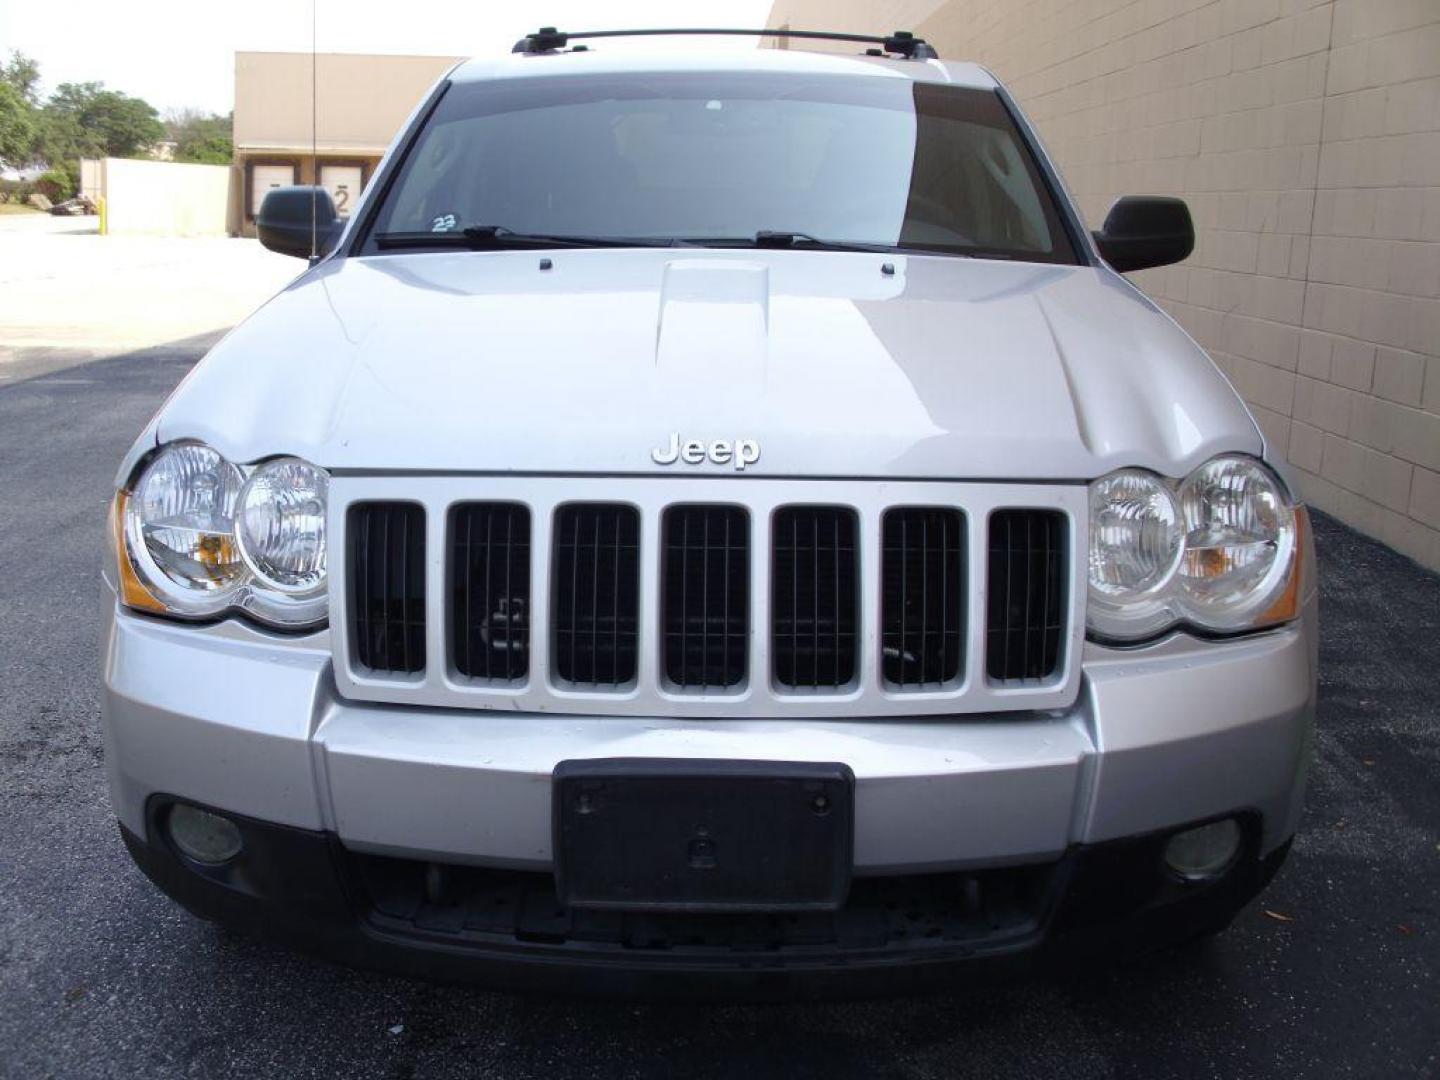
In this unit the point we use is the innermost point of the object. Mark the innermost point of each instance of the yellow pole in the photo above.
(104, 222)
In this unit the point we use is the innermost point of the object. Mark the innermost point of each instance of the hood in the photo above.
(831, 364)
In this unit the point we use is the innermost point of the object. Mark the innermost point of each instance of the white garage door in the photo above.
(265, 177)
(344, 183)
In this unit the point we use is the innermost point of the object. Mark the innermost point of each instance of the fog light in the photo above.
(205, 837)
(1206, 852)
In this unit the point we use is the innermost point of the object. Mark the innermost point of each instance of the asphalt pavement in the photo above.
(1335, 971)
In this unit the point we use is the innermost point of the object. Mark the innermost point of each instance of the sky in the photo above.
(179, 53)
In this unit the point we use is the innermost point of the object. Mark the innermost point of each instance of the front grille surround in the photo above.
(868, 696)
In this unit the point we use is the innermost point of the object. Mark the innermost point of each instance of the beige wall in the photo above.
(360, 103)
(92, 177)
(1305, 135)
(162, 198)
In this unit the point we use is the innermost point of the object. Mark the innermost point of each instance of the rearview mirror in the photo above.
(284, 223)
(1142, 231)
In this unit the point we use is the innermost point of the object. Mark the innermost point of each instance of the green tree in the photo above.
(19, 117)
(86, 120)
(18, 128)
(23, 74)
(201, 137)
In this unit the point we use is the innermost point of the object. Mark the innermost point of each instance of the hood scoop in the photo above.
(714, 318)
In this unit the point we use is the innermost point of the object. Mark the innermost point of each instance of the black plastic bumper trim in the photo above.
(293, 885)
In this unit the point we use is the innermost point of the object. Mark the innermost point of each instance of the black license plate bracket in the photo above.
(647, 834)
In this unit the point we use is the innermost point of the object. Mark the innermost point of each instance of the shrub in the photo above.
(59, 183)
(15, 191)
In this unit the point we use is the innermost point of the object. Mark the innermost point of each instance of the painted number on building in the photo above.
(265, 177)
(344, 183)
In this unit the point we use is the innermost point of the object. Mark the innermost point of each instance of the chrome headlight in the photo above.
(179, 528)
(1239, 545)
(281, 531)
(200, 539)
(1136, 539)
(1220, 553)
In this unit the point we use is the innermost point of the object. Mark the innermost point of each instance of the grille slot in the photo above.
(706, 599)
(814, 597)
(596, 594)
(387, 585)
(1026, 617)
(922, 596)
(489, 578)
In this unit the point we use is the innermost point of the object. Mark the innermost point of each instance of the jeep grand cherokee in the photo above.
(710, 522)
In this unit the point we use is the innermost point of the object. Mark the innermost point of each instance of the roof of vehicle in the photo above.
(617, 60)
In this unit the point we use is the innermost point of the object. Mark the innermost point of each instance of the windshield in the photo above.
(864, 160)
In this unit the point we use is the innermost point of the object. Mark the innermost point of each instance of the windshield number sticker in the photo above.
(443, 223)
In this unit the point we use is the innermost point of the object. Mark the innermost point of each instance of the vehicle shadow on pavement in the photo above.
(1087, 1024)
(22, 364)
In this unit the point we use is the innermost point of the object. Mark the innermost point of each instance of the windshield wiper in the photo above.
(771, 238)
(499, 238)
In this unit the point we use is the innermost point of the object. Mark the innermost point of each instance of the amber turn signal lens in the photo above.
(1287, 604)
(133, 593)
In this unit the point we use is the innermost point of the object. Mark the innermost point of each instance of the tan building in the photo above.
(1305, 135)
(359, 104)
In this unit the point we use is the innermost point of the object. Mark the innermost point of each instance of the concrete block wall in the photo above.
(1305, 135)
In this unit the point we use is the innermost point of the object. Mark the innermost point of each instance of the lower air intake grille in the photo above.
(1025, 622)
(706, 595)
(922, 596)
(814, 597)
(597, 594)
(387, 585)
(490, 590)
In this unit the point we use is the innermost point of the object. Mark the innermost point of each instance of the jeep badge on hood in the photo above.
(740, 452)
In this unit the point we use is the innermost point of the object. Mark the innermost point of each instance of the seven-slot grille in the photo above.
(677, 607)
(387, 585)
(597, 590)
(490, 590)
(705, 599)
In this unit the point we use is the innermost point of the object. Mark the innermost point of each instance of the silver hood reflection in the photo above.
(483, 362)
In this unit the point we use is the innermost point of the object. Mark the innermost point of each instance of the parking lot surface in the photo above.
(65, 287)
(1335, 971)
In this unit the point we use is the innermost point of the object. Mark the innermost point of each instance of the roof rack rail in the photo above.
(901, 42)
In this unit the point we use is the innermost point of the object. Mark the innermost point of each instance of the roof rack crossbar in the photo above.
(901, 42)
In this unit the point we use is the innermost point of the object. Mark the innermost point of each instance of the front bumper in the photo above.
(894, 935)
(231, 718)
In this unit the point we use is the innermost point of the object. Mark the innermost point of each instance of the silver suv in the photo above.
(710, 522)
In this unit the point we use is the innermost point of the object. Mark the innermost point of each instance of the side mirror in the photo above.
(1142, 231)
(284, 221)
